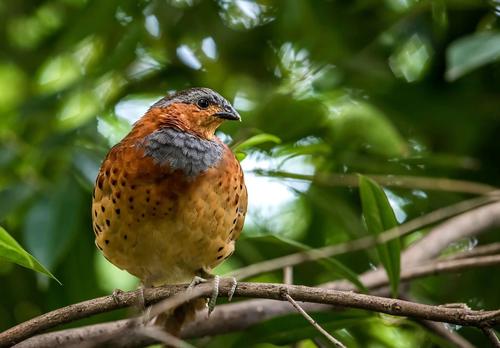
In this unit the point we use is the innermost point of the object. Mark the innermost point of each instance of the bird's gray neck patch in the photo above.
(181, 150)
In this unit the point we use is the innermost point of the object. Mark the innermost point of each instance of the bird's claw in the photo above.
(116, 295)
(215, 290)
(141, 299)
(233, 288)
(215, 294)
(196, 280)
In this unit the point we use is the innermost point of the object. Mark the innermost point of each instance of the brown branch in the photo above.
(434, 242)
(125, 299)
(83, 310)
(370, 241)
(464, 225)
(492, 336)
(229, 317)
(346, 299)
(439, 267)
(480, 250)
(440, 330)
(401, 181)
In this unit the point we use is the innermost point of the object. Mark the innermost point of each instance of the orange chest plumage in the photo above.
(168, 205)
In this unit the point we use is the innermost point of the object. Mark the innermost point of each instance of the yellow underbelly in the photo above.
(166, 234)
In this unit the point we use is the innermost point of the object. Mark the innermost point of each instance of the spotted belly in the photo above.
(165, 232)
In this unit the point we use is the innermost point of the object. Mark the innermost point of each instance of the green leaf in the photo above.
(380, 217)
(471, 52)
(240, 156)
(256, 140)
(10, 250)
(359, 126)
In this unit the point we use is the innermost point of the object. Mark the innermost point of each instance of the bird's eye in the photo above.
(203, 103)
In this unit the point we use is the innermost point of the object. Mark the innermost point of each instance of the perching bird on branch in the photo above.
(170, 198)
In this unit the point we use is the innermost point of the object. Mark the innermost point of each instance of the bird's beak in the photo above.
(229, 113)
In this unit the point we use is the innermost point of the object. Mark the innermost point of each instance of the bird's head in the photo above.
(197, 110)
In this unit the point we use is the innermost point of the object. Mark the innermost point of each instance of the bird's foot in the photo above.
(116, 295)
(141, 299)
(215, 289)
(215, 294)
(234, 284)
(196, 280)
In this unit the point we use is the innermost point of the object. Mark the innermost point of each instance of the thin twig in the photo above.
(480, 250)
(288, 275)
(492, 336)
(313, 322)
(402, 181)
(459, 227)
(440, 330)
(441, 266)
(361, 243)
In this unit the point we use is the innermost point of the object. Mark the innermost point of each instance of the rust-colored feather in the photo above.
(170, 199)
(159, 224)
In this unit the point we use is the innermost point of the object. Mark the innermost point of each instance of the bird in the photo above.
(170, 199)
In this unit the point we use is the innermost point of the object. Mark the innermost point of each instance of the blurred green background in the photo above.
(393, 87)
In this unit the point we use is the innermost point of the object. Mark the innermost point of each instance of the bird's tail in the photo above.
(172, 321)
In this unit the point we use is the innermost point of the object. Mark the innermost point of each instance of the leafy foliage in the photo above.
(11, 251)
(323, 87)
(379, 217)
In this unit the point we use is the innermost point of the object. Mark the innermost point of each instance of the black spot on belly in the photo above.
(106, 241)
(108, 223)
(220, 249)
